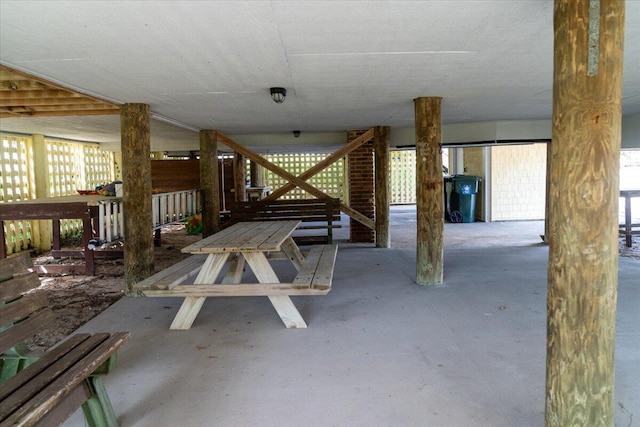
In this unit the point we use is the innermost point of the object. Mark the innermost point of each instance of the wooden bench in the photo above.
(314, 213)
(173, 275)
(314, 278)
(46, 389)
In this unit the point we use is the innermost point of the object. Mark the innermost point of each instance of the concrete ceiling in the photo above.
(345, 64)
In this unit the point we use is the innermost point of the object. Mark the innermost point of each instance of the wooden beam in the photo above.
(36, 94)
(382, 185)
(135, 129)
(235, 290)
(58, 111)
(294, 179)
(429, 191)
(583, 244)
(209, 182)
(320, 166)
(27, 102)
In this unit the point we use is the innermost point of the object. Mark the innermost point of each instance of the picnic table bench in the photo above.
(46, 389)
(314, 213)
(255, 243)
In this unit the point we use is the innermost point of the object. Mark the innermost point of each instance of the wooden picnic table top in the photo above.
(255, 236)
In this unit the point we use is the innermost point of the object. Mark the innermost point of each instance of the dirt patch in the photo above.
(76, 299)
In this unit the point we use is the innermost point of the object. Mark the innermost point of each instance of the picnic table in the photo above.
(254, 243)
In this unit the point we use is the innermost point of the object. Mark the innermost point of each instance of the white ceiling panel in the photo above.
(345, 64)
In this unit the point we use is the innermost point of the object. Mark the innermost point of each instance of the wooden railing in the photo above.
(167, 208)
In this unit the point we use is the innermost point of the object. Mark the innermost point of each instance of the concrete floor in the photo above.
(379, 350)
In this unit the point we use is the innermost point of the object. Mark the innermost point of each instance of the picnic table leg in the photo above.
(191, 305)
(234, 275)
(283, 305)
(293, 252)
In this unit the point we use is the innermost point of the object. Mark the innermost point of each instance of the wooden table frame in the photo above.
(250, 242)
(85, 208)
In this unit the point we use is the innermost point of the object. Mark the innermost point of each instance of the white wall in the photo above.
(631, 132)
(518, 177)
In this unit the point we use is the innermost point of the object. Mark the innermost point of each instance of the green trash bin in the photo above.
(463, 196)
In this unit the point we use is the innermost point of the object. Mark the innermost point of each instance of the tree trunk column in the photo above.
(240, 177)
(256, 173)
(382, 179)
(583, 244)
(209, 182)
(136, 176)
(429, 192)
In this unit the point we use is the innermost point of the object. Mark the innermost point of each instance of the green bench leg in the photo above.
(98, 410)
(10, 366)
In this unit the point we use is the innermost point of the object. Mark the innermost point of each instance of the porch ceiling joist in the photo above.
(367, 222)
(23, 95)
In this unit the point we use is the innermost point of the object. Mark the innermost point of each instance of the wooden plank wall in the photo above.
(178, 175)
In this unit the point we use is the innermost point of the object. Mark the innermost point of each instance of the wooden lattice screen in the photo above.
(71, 166)
(330, 180)
(403, 177)
(16, 183)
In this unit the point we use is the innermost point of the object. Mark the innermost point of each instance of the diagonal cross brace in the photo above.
(367, 222)
(342, 152)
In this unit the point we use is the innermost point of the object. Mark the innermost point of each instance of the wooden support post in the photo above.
(583, 246)
(240, 177)
(429, 192)
(42, 229)
(382, 185)
(135, 129)
(257, 174)
(209, 182)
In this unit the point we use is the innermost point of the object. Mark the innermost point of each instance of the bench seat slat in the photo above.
(48, 357)
(47, 371)
(19, 262)
(22, 308)
(317, 269)
(58, 380)
(25, 329)
(173, 275)
(308, 269)
(324, 273)
(12, 287)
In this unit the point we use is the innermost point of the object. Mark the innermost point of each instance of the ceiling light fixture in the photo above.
(278, 94)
